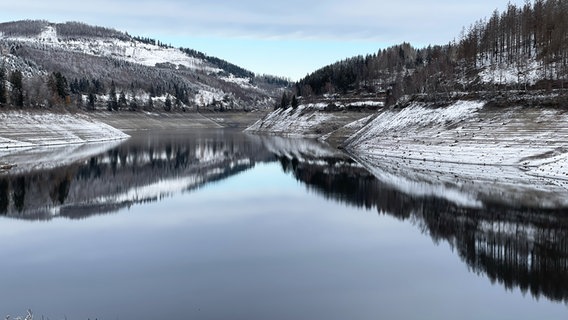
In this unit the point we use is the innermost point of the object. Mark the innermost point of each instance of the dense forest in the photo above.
(521, 48)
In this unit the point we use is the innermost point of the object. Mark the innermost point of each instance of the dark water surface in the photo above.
(221, 225)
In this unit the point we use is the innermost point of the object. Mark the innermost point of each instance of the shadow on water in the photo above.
(516, 246)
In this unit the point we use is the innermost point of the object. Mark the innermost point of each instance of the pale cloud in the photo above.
(402, 20)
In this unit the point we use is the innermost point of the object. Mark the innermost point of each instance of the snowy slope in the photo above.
(131, 51)
(308, 120)
(529, 72)
(79, 51)
(302, 121)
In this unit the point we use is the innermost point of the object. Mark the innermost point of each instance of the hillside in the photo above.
(523, 48)
(483, 113)
(76, 65)
(519, 57)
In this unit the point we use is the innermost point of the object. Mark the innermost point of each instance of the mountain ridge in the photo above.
(109, 63)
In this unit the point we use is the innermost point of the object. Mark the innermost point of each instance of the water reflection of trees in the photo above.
(518, 247)
(110, 181)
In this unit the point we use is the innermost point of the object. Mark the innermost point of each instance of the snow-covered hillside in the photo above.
(92, 60)
(128, 50)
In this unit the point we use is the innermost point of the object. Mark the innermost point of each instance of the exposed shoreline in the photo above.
(468, 150)
(35, 128)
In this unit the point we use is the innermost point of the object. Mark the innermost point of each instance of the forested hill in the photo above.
(73, 64)
(524, 48)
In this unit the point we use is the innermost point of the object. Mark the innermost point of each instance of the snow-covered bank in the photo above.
(24, 129)
(308, 120)
(302, 121)
(470, 151)
(465, 132)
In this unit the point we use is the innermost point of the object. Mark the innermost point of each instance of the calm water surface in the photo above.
(220, 225)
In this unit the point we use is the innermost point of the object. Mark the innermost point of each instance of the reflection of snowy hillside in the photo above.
(139, 170)
(49, 157)
(298, 148)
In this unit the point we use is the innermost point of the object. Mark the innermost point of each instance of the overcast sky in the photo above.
(287, 38)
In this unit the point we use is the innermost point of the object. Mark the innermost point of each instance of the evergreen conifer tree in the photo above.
(16, 78)
(122, 100)
(3, 98)
(112, 103)
(168, 104)
(294, 102)
(285, 101)
(92, 100)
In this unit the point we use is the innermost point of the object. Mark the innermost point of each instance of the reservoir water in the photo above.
(223, 225)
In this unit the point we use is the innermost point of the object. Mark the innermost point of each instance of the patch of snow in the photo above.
(528, 72)
(417, 117)
(205, 97)
(366, 104)
(49, 35)
(242, 82)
